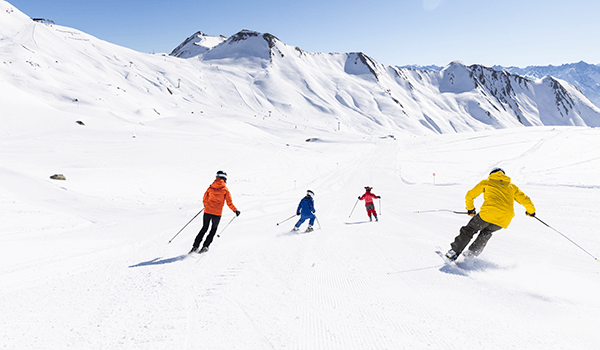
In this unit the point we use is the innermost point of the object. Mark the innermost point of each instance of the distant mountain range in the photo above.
(585, 76)
(437, 96)
(252, 76)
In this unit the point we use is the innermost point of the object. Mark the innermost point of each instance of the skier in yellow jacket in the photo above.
(496, 212)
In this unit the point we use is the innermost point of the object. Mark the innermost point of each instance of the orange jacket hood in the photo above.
(215, 198)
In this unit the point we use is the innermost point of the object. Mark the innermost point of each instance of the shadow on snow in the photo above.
(462, 268)
(356, 222)
(159, 261)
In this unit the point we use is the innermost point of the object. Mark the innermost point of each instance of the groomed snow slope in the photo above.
(85, 262)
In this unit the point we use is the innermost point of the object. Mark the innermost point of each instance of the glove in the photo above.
(237, 213)
(298, 213)
(379, 197)
(358, 197)
(472, 212)
(532, 215)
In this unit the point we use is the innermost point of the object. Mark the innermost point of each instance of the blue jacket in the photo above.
(306, 206)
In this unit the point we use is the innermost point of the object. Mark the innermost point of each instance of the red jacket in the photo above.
(215, 197)
(368, 197)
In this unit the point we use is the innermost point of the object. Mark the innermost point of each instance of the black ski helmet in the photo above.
(495, 170)
(310, 193)
(222, 175)
(368, 188)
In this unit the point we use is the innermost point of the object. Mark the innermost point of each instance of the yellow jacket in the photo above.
(499, 196)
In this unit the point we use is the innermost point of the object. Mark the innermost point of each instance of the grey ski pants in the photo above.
(476, 224)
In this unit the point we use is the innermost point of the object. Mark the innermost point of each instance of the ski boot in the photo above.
(468, 254)
(309, 229)
(451, 255)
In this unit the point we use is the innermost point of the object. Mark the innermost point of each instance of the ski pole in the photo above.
(353, 208)
(434, 210)
(186, 225)
(570, 240)
(219, 235)
(316, 218)
(285, 220)
(379, 206)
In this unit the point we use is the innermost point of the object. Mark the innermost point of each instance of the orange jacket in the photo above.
(215, 197)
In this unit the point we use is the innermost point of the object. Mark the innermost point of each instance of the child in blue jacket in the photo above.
(306, 210)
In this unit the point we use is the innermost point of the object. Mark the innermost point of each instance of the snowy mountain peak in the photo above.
(244, 44)
(246, 34)
(563, 99)
(456, 63)
(242, 35)
(358, 64)
(197, 44)
(456, 78)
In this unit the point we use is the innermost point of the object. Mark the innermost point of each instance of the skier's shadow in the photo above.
(463, 268)
(159, 261)
(480, 265)
(292, 233)
(356, 222)
(453, 270)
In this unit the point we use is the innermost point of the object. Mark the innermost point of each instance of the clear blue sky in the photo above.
(393, 32)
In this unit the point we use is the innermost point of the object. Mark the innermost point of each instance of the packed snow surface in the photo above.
(86, 262)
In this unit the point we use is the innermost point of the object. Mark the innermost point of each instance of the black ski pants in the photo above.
(476, 224)
(213, 221)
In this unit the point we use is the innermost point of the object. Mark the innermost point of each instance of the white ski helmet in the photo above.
(221, 174)
(310, 193)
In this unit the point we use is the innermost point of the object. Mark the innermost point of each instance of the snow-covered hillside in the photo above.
(85, 263)
(254, 76)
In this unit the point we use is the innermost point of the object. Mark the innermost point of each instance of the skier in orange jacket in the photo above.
(214, 200)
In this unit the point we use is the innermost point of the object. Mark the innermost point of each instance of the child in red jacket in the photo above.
(368, 198)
